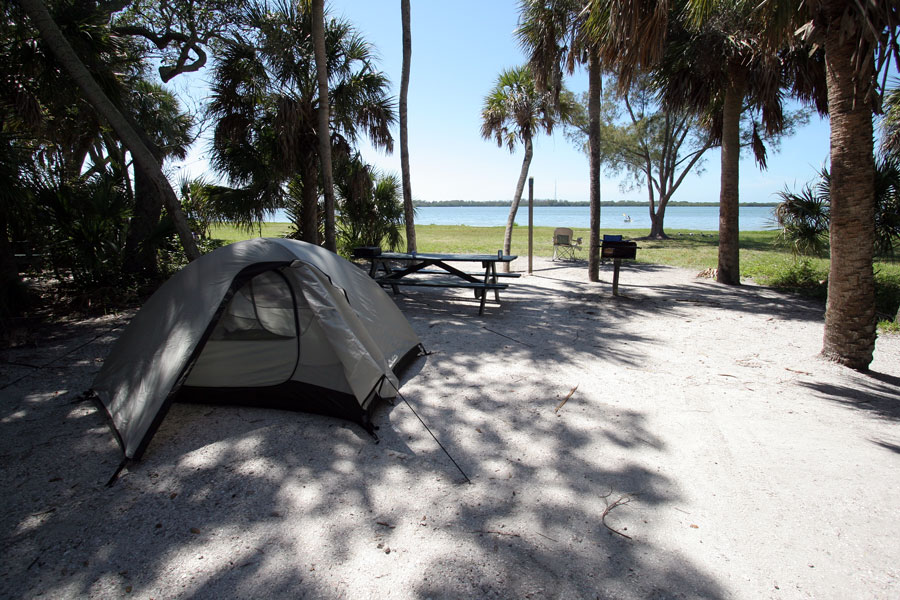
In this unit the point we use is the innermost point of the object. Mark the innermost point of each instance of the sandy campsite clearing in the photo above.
(705, 452)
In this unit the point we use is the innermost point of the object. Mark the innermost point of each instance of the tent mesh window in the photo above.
(255, 342)
(260, 310)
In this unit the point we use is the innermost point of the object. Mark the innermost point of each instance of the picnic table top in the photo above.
(429, 256)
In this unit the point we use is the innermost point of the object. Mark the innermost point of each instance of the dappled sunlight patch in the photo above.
(690, 403)
(15, 416)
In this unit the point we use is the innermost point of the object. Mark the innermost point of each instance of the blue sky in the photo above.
(458, 49)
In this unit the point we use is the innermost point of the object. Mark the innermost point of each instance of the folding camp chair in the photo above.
(564, 245)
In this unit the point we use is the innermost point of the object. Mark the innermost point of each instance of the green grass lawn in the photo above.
(761, 259)
(230, 233)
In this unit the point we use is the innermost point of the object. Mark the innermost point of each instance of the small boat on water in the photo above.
(627, 218)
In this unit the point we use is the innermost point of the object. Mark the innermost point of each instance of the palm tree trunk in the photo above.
(143, 158)
(318, 31)
(309, 202)
(517, 198)
(729, 268)
(140, 253)
(850, 312)
(595, 91)
(408, 212)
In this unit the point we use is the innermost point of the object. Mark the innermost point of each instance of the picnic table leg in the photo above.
(377, 264)
(492, 268)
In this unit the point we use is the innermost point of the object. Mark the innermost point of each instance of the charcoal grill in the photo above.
(617, 250)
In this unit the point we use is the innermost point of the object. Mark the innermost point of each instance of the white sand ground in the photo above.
(704, 425)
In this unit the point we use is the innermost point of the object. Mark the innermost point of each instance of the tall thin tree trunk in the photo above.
(408, 212)
(143, 158)
(309, 202)
(318, 31)
(517, 198)
(729, 270)
(850, 312)
(595, 91)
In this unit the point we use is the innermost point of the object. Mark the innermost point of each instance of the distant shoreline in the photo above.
(546, 202)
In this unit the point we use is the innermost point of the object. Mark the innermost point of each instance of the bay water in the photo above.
(703, 218)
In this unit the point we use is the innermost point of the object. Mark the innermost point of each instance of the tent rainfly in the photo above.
(270, 322)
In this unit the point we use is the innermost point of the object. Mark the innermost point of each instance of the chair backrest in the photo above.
(562, 236)
(612, 238)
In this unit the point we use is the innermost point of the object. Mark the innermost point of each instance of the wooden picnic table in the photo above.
(433, 270)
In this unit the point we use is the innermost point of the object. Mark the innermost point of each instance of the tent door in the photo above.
(255, 343)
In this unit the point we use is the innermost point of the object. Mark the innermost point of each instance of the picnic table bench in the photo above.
(433, 270)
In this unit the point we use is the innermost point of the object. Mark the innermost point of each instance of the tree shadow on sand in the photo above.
(248, 502)
(875, 393)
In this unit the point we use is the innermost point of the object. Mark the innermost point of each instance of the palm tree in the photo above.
(371, 207)
(408, 211)
(45, 130)
(554, 35)
(719, 64)
(318, 34)
(890, 139)
(95, 95)
(859, 39)
(804, 216)
(158, 113)
(514, 112)
(890, 124)
(712, 57)
(264, 104)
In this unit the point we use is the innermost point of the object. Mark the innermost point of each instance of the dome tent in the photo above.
(271, 322)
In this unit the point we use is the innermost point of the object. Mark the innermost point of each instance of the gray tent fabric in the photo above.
(258, 318)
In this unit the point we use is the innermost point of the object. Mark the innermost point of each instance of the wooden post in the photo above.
(530, 222)
(617, 262)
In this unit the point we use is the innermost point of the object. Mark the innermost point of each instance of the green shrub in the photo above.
(804, 219)
(370, 209)
(801, 276)
(86, 222)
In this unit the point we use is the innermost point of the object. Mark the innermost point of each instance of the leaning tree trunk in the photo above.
(595, 90)
(729, 268)
(408, 212)
(850, 312)
(517, 198)
(143, 158)
(318, 31)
